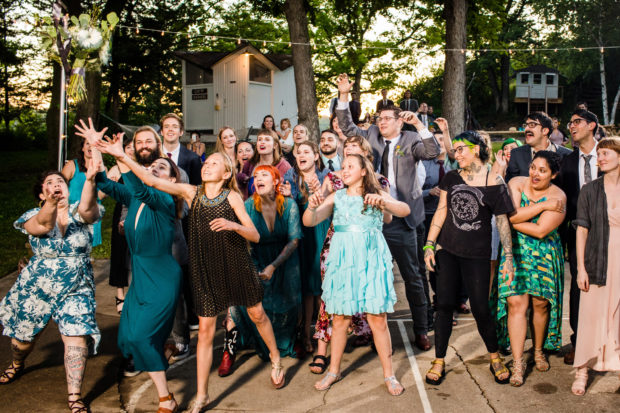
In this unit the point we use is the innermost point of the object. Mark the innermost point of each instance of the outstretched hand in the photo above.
(89, 132)
(315, 200)
(410, 118)
(344, 85)
(94, 166)
(112, 146)
(442, 123)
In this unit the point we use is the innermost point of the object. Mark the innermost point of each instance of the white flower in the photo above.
(89, 39)
(104, 53)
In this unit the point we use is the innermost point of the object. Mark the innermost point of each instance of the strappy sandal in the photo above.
(393, 386)
(500, 371)
(541, 361)
(196, 405)
(170, 396)
(119, 301)
(324, 384)
(440, 374)
(518, 370)
(81, 407)
(279, 371)
(12, 373)
(581, 381)
(321, 366)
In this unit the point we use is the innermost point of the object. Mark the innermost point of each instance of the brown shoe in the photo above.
(569, 358)
(422, 342)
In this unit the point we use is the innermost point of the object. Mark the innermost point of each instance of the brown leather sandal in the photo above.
(170, 396)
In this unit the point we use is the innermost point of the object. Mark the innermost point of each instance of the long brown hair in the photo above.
(219, 146)
(299, 179)
(362, 143)
(277, 148)
(176, 174)
(370, 184)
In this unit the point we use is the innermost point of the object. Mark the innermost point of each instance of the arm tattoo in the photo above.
(286, 252)
(505, 234)
(75, 363)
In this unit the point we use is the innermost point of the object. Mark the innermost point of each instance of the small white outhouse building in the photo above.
(236, 89)
(538, 85)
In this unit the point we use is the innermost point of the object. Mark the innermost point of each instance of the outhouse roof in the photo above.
(537, 69)
(207, 60)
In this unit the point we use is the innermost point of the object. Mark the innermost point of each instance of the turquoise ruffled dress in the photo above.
(358, 275)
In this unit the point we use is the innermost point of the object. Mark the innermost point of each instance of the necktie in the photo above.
(442, 171)
(587, 169)
(384, 159)
(330, 165)
(169, 155)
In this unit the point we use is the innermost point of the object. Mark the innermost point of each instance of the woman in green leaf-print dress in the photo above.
(539, 266)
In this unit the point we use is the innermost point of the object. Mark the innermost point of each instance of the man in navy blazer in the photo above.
(537, 126)
(396, 155)
(172, 130)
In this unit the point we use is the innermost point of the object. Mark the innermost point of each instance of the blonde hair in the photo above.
(219, 146)
(487, 139)
(231, 182)
(288, 122)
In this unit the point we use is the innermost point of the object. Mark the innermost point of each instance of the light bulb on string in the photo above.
(581, 49)
(137, 30)
(555, 50)
(602, 50)
(239, 40)
(533, 52)
(289, 44)
(162, 33)
(213, 38)
(264, 43)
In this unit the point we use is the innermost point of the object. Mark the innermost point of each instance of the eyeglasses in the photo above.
(575, 122)
(530, 124)
(460, 149)
(385, 118)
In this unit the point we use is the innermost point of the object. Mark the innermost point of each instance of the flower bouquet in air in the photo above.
(78, 44)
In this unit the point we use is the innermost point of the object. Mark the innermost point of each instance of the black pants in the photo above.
(575, 292)
(421, 234)
(475, 273)
(402, 242)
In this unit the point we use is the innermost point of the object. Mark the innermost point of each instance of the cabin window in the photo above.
(550, 79)
(537, 78)
(525, 78)
(195, 75)
(258, 71)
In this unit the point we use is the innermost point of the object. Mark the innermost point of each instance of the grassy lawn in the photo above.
(19, 171)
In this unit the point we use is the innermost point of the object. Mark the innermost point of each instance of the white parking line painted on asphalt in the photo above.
(137, 395)
(426, 404)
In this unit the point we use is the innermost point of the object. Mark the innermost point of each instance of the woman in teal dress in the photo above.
(305, 178)
(75, 173)
(539, 266)
(150, 304)
(277, 220)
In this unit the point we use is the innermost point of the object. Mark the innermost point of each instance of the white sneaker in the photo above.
(183, 352)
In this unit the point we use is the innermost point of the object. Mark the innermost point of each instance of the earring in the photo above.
(41, 202)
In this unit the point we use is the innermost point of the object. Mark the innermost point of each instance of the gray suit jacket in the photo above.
(412, 149)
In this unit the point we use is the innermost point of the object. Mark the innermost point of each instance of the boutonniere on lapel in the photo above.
(399, 152)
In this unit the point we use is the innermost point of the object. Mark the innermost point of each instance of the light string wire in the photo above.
(313, 45)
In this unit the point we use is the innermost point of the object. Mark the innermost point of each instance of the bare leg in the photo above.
(76, 353)
(20, 350)
(517, 323)
(204, 355)
(540, 318)
(383, 341)
(120, 295)
(340, 323)
(320, 351)
(159, 379)
(265, 329)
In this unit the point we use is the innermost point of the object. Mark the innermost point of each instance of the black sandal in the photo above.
(78, 409)
(322, 366)
(11, 373)
(119, 301)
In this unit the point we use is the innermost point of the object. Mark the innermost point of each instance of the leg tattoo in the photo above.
(75, 363)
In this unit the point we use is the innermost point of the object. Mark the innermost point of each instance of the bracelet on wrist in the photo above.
(429, 242)
(428, 247)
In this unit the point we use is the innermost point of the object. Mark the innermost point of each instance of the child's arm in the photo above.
(319, 209)
(246, 229)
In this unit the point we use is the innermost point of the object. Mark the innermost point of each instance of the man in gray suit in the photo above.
(396, 155)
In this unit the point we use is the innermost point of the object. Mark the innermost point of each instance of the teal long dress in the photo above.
(312, 241)
(539, 271)
(282, 293)
(75, 194)
(150, 303)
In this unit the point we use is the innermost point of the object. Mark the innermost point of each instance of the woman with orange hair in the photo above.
(275, 256)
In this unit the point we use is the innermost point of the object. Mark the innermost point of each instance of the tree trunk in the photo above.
(453, 100)
(84, 110)
(495, 89)
(614, 107)
(601, 64)
(52, 119)
(505, 79)
(302, 63)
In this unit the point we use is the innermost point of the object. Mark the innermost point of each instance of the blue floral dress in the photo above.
(57, 283)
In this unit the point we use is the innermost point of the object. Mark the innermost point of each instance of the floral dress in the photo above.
(57, 283)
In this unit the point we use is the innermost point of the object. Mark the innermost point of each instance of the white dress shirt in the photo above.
(391, 175)
(582, 165)
(174, 155)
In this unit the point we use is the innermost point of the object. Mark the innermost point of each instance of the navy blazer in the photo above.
(191, 163)
(521, 158)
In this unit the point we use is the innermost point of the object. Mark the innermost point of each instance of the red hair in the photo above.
(277, 180)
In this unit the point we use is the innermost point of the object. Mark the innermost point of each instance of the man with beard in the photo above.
(538, 126)
(329, 149)
(172, 129)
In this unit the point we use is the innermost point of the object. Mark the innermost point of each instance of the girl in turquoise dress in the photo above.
(358, 275)
(305, 178)
(275, 256)
(58, 281)
(74, 173)
(151, 300)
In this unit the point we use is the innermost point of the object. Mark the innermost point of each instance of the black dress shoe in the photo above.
(422, 342)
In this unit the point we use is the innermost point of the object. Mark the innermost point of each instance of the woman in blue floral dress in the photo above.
(58, 281)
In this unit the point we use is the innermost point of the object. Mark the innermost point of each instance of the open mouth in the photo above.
(262, 147)
(260, 186)
(529, 134)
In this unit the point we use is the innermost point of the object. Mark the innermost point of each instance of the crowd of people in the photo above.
(295, 242)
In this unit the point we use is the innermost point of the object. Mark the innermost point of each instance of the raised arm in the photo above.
(88, 207)
(45, 220)
(246, 228)
(345, 121)
(319, 209)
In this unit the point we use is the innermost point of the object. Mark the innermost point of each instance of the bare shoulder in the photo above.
(517, 182)
(556, 192)
(234, 198)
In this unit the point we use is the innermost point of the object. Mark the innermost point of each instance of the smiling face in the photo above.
(353, 148)
(129, 150)
(268, 122)
(244, 152)
(146, 147)
(389, 124)
(299, 134)
(264, 183)
(171, 131)
(328, 143)
(215, 168)
(540, 174)
(264, 144)
(535, 134)
(608, 159)
(55, 184)
(352, 171)
(464, 154)
(508, 149)
(580, 129)
(306, 158)
(228, 138)
(285, 124)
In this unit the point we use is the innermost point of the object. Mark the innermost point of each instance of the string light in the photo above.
(264, 43)
(462, 51)
(239, 40)
(581, 49)
(602, 50)
(162, 33)
(533, 52)
(137, 30)
(289, 44)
